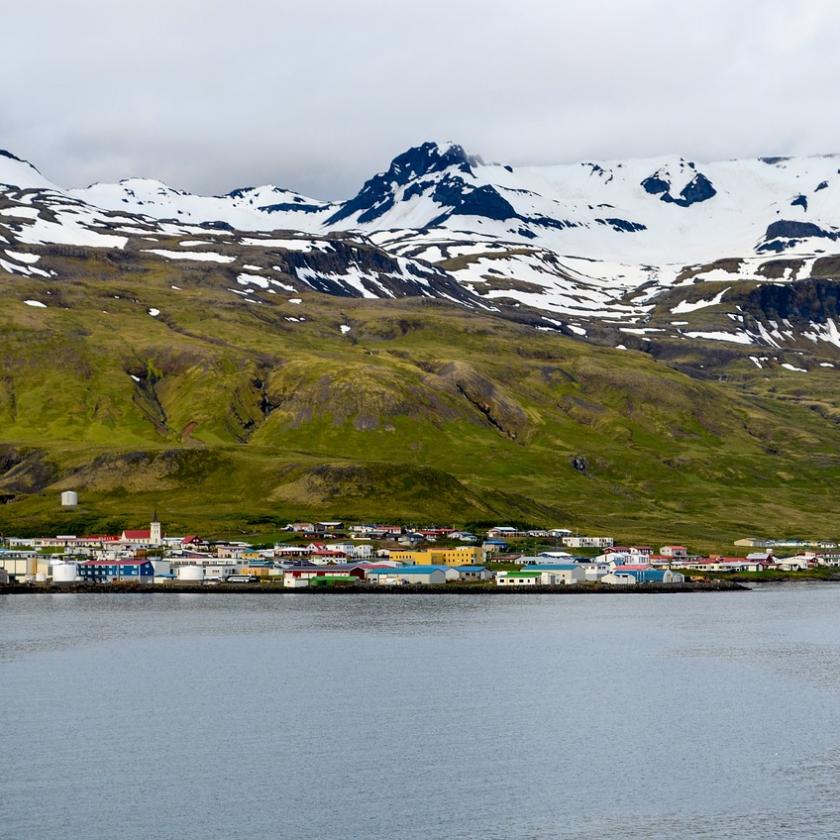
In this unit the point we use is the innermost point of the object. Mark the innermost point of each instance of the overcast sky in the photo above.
(316, 95)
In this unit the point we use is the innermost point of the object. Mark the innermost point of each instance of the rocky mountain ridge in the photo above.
(595, 250)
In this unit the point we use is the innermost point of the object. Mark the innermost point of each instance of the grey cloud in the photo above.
(316, 96)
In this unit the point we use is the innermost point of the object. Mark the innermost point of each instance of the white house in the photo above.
(523, 578)
(800, 563)
(358, 551)
(546, 574)
(595, 571)
(559, 532)
(503, 531)
(163, 570)
(221, 571)
(617, 558)
(588, 542)
(561, 574)
(619, 578)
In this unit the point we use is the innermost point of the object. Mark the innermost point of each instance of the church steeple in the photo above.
(155, 533)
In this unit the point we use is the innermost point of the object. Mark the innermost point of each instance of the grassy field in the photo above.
(230, 418)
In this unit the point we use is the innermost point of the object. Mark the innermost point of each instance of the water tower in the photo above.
(69, 499)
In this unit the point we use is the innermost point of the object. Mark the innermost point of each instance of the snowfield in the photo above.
(594, 243)
(195, 256)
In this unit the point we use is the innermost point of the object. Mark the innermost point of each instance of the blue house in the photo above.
(397, 575)
(649, 575)
(107, 571)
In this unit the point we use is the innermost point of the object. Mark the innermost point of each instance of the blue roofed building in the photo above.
(412, 575)
(622, 576)
(495, 545)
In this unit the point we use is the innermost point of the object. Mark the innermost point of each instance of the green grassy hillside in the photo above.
(230, 417)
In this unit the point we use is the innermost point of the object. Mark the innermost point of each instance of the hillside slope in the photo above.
(141, 387)
(460, 367)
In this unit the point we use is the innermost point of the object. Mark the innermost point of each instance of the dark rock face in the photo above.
(698, 189)
(785, 234)
(821, 186)
(800, 201)
(467, 201)
(655, 185)
(622, 225)
(375, 197)
(324, 270)
(805, 300)
(298, 208)
(800, 230)
(547, 222)
(239, 192)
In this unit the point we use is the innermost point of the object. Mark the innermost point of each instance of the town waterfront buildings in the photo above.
(333, 553)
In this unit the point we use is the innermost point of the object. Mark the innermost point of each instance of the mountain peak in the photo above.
(428, 157)
(17, 172)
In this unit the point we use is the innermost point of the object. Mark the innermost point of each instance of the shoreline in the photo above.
(446, 589)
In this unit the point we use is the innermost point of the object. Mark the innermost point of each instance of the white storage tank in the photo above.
(69, 499)
(191, 574)
(65, 572)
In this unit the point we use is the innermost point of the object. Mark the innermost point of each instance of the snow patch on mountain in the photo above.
(194, 256)
(685, 306)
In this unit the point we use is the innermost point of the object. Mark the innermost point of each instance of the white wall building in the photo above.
(563, 577)
(595, 571)
(358, 551)
(588, 542)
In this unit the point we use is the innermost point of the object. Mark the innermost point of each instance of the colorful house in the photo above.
(426, 575)
(109, 571)
(461, 555)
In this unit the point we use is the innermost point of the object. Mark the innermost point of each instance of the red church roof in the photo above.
(137, 535)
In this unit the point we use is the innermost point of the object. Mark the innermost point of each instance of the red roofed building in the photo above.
(152, 536)
(326, 557)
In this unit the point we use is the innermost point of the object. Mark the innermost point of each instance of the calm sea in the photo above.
(141, 717)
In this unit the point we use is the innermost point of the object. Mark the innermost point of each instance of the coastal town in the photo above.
(336, 554)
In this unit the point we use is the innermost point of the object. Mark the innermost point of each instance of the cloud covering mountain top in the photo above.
(208, 95)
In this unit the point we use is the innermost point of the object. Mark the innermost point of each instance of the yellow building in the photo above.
(257, 571)
(462, 555)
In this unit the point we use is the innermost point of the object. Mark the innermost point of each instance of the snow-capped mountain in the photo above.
(19, 173)
(246, 208)
(571, 244)
(657, 211)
